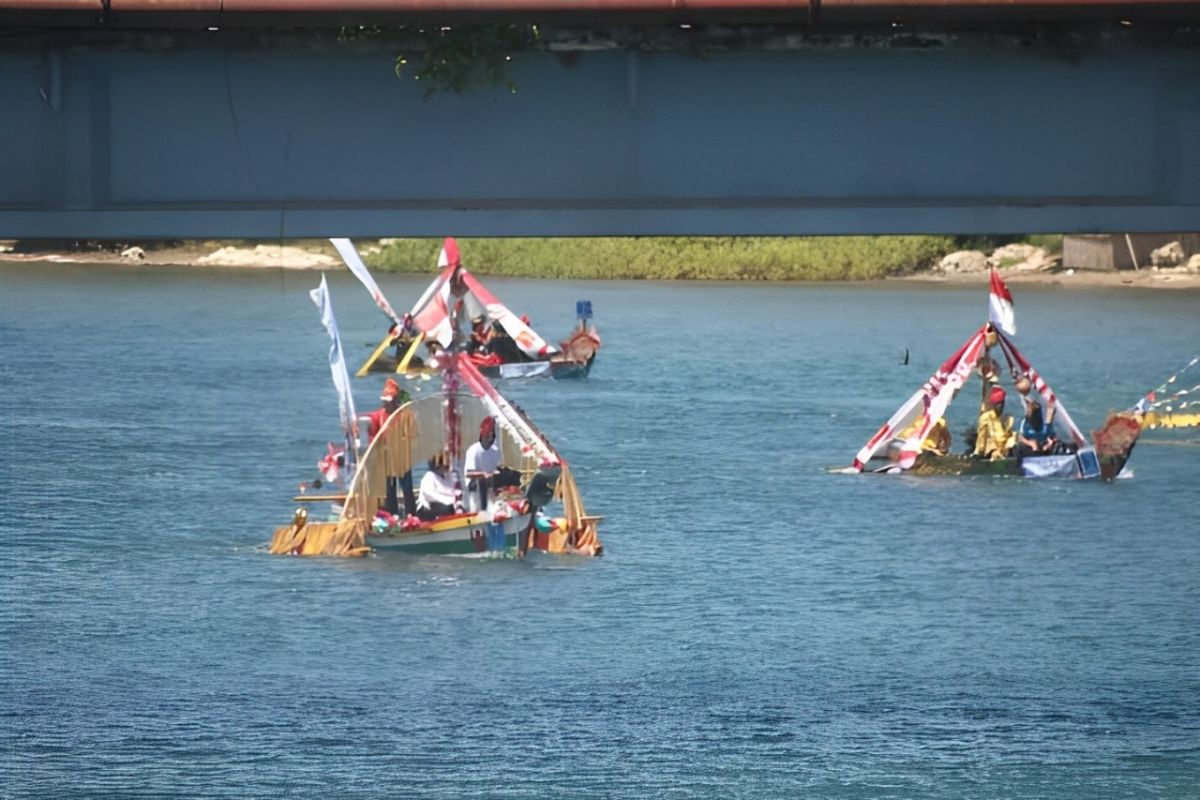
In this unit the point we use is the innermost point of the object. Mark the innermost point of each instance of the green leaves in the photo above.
(666, 258)
(463, 58)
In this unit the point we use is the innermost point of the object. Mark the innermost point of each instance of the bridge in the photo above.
(286, 118)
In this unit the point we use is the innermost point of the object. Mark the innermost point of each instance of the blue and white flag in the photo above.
(337, 361)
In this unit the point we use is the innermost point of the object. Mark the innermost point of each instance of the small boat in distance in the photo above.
(500, 343)
(378, 509)
(916, 439)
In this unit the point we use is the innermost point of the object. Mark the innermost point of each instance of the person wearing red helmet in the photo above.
(481, 467)
(481, 462)
(392, 397)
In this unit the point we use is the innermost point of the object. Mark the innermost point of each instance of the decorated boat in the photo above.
(916, 439)
(1174, 404)
(500, 344)
(376, 508)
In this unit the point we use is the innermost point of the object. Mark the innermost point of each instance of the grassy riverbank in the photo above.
(760, 258)
(665, 258)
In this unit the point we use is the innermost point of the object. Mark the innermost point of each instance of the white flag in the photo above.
(337, 361)
(346, 248)
(1000, 306)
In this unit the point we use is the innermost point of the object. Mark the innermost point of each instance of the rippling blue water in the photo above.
(759, 627)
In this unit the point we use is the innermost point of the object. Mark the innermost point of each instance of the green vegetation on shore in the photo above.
(733, 258)
(812, 258)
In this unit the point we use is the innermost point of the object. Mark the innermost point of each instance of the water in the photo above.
(759, 627)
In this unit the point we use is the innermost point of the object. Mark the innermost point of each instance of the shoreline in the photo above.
(214, 255)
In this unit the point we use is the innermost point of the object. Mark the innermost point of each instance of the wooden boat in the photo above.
(908, 441)
(515, 350)
(376, 511)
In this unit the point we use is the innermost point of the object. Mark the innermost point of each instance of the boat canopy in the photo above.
(917, 416)
(431, 313)
(425, 427)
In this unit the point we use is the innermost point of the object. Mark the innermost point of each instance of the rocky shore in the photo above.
(1022, 263)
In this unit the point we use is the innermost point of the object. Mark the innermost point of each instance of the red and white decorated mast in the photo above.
(458, 371)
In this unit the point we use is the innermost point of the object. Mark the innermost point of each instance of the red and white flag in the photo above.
(1000, 307)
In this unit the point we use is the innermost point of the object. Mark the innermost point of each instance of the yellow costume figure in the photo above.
(994, 434)
(937, 441)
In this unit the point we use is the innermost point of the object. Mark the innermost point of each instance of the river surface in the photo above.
(759, 626)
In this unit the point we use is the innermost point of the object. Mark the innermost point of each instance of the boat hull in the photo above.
(1078, 466)
(461, 536)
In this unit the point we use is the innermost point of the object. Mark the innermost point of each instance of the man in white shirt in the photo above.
(436, 496)
(480, 463)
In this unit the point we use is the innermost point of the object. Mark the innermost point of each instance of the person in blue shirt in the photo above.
(1035, 436)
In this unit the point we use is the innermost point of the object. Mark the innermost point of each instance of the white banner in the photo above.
(346, 248)
(337, 361)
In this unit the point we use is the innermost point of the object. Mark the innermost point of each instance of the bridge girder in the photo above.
(187, 136)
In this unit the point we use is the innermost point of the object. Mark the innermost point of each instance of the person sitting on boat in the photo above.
(1035, 437)
(438, 490)
(994, 435)
(502, 345)
(477, 343)
(403, 334)
(937, 441)
(481, 467)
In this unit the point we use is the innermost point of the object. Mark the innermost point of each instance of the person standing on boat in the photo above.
(480, 464)
(994, 436)
(392, 397)
(436, 496)
(989, 373)
(1023, 386)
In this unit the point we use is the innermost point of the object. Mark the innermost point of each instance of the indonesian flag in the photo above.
(1000, 306)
